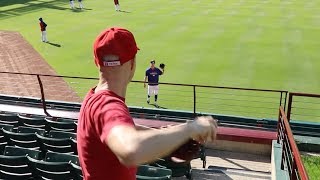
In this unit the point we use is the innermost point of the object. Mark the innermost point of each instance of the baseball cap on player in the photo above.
(152, 61)
(116, 42)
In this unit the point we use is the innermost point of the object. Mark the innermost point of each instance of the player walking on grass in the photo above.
(116, 5)
(152, 77)
(43, 27)
(71, 4)
(80, 4)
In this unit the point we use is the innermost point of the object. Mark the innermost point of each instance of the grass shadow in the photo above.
(157, 106)
(54, 44)
(124, 11)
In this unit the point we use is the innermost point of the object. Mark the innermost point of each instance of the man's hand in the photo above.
(144, 85)
(203, 129)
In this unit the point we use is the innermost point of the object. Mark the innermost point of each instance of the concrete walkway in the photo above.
(224, 165)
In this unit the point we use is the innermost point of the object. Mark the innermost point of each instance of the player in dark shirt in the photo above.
(43, 28)
(152, 77)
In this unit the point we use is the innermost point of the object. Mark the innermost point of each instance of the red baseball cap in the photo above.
(115, 41)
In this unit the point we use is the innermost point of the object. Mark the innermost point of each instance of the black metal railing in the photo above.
(249, 102)
(290, 159)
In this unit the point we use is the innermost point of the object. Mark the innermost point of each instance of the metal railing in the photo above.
(248, 102)
(303, 106)
(291, 159)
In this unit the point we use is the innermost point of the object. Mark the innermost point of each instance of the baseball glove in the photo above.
(162, 66)
(186, 152)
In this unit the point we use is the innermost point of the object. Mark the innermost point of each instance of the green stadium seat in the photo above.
(74, 145)
(56, 145)
(25, 140)
(146, 172)
(73, 159)
(32, 121)
(77, 171)
(15, 167)
(23, 129)
(62, 135)
(178, 169)
(61, 157)
(18, 151)
(59, 119)
(14, 164)
(9, 118)
(3, 141)
(61, 126)
(7, 127)
(51, 170)
(31, 116)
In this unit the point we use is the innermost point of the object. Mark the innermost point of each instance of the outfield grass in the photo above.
(312, 165)
(257, 44)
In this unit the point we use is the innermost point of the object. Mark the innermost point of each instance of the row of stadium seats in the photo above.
(42, 134)
(47, 123)
(22, 163)
(33, 138)
(48, 159)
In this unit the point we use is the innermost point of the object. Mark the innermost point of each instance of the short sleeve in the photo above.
(147, 72)
(159, 71)
(111, 114)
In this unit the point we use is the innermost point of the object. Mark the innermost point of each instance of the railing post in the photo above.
(283, 158)
(44, 105)
(278, 126)
(280, 99)
(285, 101)
(194, 102)
(289, 106)
(294, 166)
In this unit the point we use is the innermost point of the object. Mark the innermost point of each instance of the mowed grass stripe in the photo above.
(256, 44)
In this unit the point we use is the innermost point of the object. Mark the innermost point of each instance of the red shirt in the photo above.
(43, 26)
(99, 113)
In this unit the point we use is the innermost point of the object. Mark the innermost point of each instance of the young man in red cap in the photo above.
(110, 145)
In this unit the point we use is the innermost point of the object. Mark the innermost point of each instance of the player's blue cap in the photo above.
(152, 61)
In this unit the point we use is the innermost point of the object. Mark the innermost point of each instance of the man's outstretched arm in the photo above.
(133, 147)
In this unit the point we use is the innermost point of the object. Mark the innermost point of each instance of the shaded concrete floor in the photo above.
(224, 165)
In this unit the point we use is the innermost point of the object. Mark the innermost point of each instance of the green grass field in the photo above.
(267, 44)
(312, 165)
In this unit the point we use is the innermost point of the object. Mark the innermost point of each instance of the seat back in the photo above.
(24, 129)
(153, 173)
(9, 118)
(15, 167)
(59, 119)
(61, 157)
(178, 169)
(25, 140)
(77, 172)
(17, 151)
(3, 141)
(51, 170)
(61, 126)
(14, 164)
(7, 127)
(62, 135)
(35, 122)
(55, 145)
